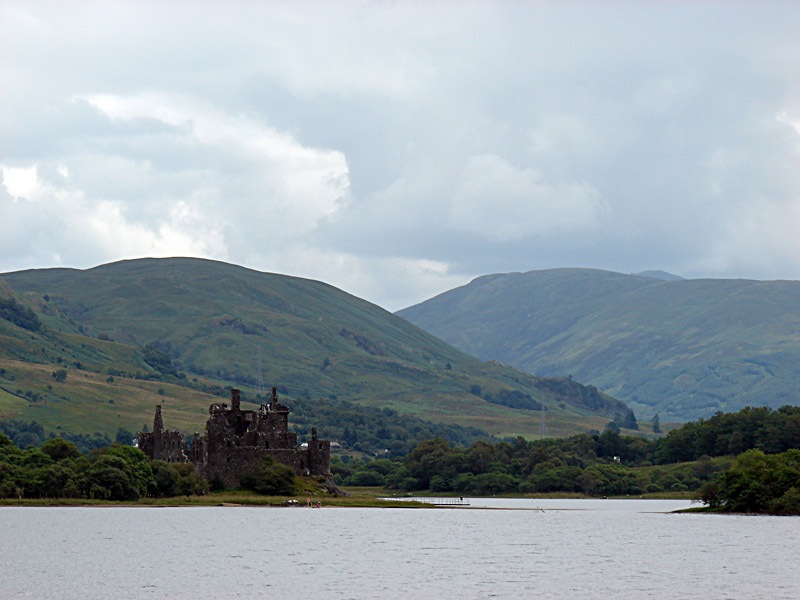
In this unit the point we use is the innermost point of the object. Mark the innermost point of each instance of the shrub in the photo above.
(272, 479)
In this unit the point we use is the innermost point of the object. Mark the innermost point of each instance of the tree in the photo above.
(272, 479)
(788, 504)
(59, 449)
(60, 375)
(761, 483)
(166, 479)
(656, 423)
(709, 494)
(157, 357)
(124, 437)
(19, 315)
(188, 482)
(135, 465)
(109, 479)
(366, 477)
(429, 458)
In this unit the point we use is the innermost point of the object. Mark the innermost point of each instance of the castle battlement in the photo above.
(236, 441)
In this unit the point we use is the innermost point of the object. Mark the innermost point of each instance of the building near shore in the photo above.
(236, 441)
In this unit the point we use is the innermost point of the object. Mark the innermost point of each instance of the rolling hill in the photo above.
(178, 331)
(682, 349)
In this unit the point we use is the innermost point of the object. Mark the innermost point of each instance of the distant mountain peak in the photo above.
(682, 348)
(662, 275)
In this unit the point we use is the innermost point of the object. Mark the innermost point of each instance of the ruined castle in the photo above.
(236, 441)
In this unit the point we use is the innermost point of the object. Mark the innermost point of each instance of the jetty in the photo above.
(434, 501)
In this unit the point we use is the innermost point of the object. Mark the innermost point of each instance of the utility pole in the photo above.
(544, 420)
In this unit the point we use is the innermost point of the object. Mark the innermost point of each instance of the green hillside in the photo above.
(683, 349)
(175, 331)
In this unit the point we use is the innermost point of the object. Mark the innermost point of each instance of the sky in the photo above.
(400, 149)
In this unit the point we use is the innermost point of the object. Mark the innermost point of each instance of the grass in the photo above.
(234, 498)
(228, 326)
(356, 498)
(684, 349)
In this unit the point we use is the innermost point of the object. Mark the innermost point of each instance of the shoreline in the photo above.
(369, 500)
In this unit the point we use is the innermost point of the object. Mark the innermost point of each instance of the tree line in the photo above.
(117, 472)
(32, 434)
(599, 464)
(757, 483)
(765, 476)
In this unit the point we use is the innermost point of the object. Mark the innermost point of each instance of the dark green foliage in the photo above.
(366, 477)
(176, 479)
(788, 504)
(109, 478)
(513, 399)
(55, 471)
(598, 465)
(124, 436)
(115, 472)
(272, 479)
(158, 358)
(587, 397)
(628, 420)
(19, 315)
(369, 473)
(656, 420)
(134, 465)
(758, 483)
(577, 464)
(25, 435)
(371, 429)
(60, 375)
(59, 449)
(723, 434)
(87, 442)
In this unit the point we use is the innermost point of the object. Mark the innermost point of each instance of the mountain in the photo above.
(177, 331)
(662, 275)
(682, 349)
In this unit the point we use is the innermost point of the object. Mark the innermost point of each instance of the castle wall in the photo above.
(236, 442)
(163, 445)
(318, 455)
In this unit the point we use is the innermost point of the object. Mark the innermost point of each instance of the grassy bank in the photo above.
(235, 498)
(368, 497)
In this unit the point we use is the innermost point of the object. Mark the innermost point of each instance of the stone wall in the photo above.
(236, 441)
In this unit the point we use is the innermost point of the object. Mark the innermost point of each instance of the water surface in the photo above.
(544, 549)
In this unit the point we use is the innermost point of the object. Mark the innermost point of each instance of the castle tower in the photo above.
(158, 422)
(273, 400)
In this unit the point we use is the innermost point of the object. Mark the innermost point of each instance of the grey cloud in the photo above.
(488, 137)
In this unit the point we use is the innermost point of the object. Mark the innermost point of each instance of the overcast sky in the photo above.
(400, 149)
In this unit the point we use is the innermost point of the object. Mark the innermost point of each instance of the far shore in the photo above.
(354, 498)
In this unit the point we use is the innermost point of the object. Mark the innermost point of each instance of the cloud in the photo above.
(497, 201)
(72, 229)
(398, 149)
(131, 193)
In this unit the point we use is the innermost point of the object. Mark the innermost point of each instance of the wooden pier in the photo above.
(435, 501)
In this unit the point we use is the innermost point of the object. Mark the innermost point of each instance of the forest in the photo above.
(747, 461)
(696, 456)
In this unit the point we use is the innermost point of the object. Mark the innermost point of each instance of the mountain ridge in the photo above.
(682, 348)
(229, 325)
